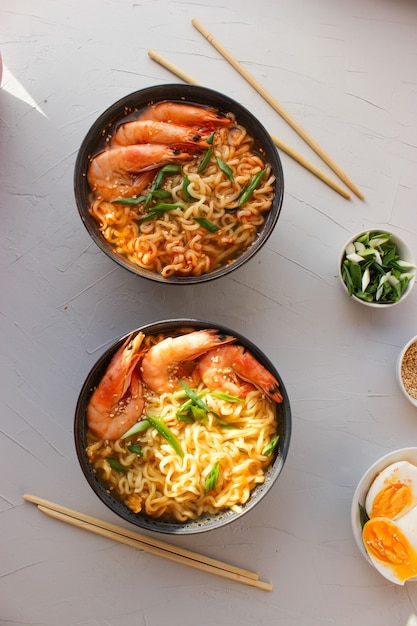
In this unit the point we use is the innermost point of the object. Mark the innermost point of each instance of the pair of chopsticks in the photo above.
(279, 109)
(142, 542)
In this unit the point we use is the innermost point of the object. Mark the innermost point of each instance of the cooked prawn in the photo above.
(152, 131)
(124, 171)
(235, 371)
(117, 402)
(161, 365)
(188, 114)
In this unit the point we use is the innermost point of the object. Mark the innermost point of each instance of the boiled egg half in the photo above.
(392, 549)
(390, 534)
(393, 492)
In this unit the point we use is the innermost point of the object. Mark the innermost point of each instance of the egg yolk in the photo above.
(391, 500)
(386, 543)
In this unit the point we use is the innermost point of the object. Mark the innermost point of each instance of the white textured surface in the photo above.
(348, 73)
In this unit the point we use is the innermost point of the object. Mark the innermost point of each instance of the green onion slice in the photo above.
(205, 160)
(161, 194)
(166, 206)
(171, 168)
(212, 228)
(139, 427)
(212, 478)
(186, 406)
(202, 405)
(225, 169)
(135, 449)
(114, 464)
(186, 181)
(225, 396)
(199, 415)
(159, 424)
(136, 200)
(158, 209)
(185, 417)
(270, 447)
(194, 397)
(250, 187)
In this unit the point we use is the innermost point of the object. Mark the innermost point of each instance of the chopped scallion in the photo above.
(250, 187)
(194, 397)
(139, 427)
(373, 271)
(212, 228)
(114, 464)
(212, 478)
(171, 168)
(225, 169)
(158, 209)
(205, 161)
(159, 425)
(185, 184)
(129, 201)
(197, 401)
(225, 396)
(270, 447)
(135, 449)
(200, 415)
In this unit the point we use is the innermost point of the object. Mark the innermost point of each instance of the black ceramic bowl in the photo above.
(208, 522)
(104, 127)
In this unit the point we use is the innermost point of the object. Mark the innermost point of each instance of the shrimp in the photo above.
(117, 402)
(151, 131)
(188, 114)
(162, 364)
(124, 171)
(235, 371)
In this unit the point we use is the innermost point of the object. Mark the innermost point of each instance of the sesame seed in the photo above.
(409, 370)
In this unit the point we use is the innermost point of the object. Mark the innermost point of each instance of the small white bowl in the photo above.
(405, 254)
(413, 372)
(403, 454)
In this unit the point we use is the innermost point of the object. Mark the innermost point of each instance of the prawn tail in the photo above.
(274, 393)
(249, 369)
(221, 338)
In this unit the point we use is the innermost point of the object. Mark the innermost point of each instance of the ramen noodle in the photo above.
(222, 456)
(216, 197)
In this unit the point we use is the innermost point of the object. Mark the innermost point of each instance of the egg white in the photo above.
(402, 472)
(409, 521)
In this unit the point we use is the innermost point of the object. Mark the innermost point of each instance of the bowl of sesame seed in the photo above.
(407, 370)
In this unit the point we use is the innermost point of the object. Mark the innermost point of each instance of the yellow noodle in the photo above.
(162, 484)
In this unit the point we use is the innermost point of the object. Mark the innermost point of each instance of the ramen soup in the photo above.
(182, 426)
(180, 189)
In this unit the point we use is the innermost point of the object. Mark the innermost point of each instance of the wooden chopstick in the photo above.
(142, 542)
(172, 68)
(278, 108)
(280, 144)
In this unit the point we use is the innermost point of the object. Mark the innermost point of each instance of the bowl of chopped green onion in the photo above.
(377, 268)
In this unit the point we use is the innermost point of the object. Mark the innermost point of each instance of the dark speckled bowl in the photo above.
(103, 128)
(209, 522)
